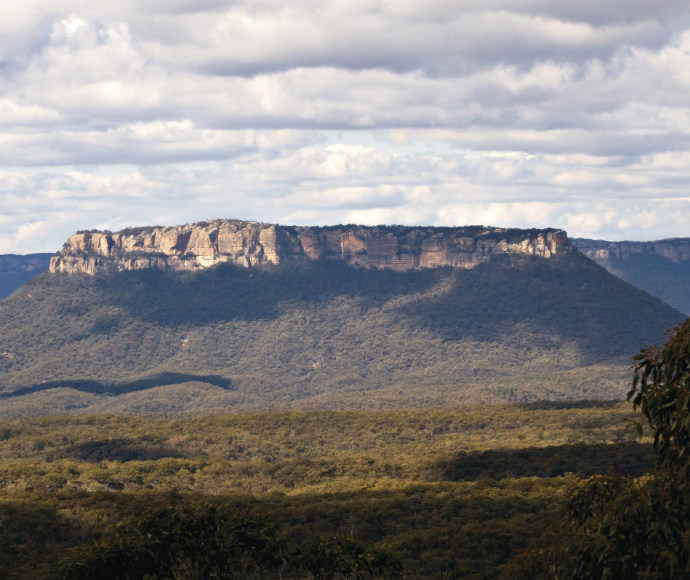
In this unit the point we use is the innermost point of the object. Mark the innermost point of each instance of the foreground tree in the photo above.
(620, 528)
(661, 390)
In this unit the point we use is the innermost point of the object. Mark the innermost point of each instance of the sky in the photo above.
(508, 113)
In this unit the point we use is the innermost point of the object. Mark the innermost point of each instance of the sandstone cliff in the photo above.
(248, 244)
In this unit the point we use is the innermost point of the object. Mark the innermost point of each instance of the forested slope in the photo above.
(322, 334)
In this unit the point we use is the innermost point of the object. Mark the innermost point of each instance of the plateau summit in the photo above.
(246, 243)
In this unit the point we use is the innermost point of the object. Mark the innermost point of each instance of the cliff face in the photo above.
(249, 244)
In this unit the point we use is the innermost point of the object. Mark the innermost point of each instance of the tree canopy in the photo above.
(620, 527)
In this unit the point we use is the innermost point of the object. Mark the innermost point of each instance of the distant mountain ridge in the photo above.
(242, 243)
(673, 249)
(661, 267)
(16, 269)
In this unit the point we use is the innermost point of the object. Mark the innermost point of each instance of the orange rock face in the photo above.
(249, 244)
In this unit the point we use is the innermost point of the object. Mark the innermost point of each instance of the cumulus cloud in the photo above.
(505, 112)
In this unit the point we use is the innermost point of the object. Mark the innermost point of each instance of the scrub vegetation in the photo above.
(457, 493)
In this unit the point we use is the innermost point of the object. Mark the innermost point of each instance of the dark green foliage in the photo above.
(362, 490)
(579, 459)
(661, 390)
(26, 529)
(198, 541)
(620, 528)
(194, 539)
(330, 557)
(419, 531)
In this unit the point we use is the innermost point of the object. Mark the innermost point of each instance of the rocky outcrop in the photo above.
(249, 244)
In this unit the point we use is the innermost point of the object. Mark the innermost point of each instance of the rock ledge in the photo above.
(250, 244)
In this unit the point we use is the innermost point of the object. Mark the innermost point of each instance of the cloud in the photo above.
(438, 38)
(342, 183)
(497, 111)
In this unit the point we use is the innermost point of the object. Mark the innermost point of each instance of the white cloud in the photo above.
(352, 183)
(512, 112)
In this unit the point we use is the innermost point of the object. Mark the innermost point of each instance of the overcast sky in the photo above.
(514, 113)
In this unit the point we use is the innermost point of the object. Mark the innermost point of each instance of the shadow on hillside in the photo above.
(544, 405)
(96, 387)
(526, 300)
(657, 275)
(567, 298)
(540, 306)
(122, 449)
(628, 457)
(226, 292)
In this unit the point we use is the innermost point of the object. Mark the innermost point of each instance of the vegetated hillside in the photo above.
(661, 268)
(451, 493)
(17, 269)
(322, 334)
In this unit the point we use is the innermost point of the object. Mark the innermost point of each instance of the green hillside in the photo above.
(322, 334)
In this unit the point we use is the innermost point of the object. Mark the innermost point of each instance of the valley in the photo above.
(373, 403)
(469, 490)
